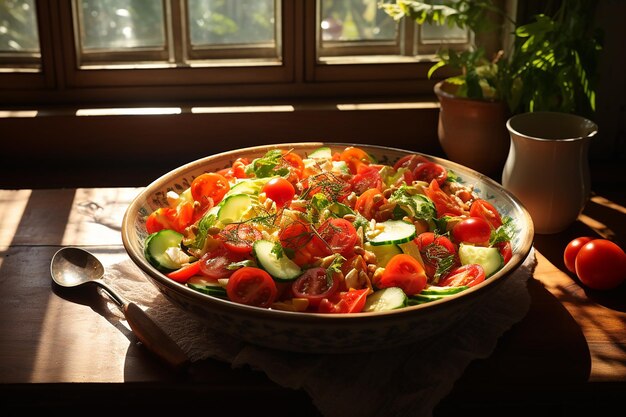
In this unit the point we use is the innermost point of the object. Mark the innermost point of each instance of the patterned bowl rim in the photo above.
(129, 239)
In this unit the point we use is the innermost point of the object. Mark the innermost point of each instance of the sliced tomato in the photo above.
(428, 171)
(251, 286)
(314, 285)
(505, 250)
(209, 187)
(464, 275)
(214, 263)
(475, 230)
(183, 274)
(171, 218)
(410, 161)
(368, 176)
(355, 157)
(239, 237)
(303, 242)
(444, 204)
(343, 302)
(368, 203)
(279, 190)
(404, 271)
(295, 165)
(435, 249)
(486, 210)
(340, 235)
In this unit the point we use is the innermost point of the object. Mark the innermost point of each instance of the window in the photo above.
(163, 50)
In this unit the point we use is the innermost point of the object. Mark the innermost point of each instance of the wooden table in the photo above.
(58, 350)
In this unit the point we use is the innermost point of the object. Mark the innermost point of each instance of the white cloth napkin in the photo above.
(404, 381)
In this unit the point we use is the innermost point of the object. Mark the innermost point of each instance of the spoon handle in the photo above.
(154, 338)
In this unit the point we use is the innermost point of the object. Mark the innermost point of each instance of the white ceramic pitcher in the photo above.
(547, 168)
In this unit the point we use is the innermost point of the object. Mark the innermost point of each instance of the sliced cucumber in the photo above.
(487, 257)
(280, 268)
(386, 299)
(207, 286)
(233, 207)
(323, 152)
(383, 252)
(393, 232)
(250, 186)
(159, 248)
(434, 290)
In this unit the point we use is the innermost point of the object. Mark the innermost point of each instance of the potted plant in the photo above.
(549, 66)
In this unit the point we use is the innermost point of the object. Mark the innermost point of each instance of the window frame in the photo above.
(300, 75)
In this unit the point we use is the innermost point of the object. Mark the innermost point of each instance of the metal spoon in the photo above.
(71, 266)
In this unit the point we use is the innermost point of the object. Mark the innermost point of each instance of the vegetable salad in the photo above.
(328, 232)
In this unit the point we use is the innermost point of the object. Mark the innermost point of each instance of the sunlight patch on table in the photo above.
(12, 207)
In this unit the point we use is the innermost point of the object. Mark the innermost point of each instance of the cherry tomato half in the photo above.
(410, 161)
(601, 264)
(239, 237)
(434, 249)
(340, 235)
(354, 157)
(368, 203)
(475, 230)
(464, 275)
(279, 190)
(314, 285)
(404, 271)
(428, 171)
(368, 176)
(209, 186)
(571, 250)
(214, 263)
(351, 301)
(251, 286)
(183, 274)
(486, 210)
(444, 204)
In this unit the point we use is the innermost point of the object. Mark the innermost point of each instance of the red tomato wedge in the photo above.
(351, 301)
(465, 275)
(444, 204)
(486, 210)
(368, 176)
(340, 235)
(410, 161)
(354, 158)
(251, 286)
(406, 272)
(314, 285)
(183, 274)
(209, 186)
(239, 237)
(428, 171)
(214, 263)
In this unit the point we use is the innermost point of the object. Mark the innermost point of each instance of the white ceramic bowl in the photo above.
(311, 332)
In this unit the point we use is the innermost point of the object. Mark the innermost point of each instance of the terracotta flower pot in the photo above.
(473, 132)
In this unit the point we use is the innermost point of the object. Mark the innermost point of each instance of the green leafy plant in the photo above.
(551, 65)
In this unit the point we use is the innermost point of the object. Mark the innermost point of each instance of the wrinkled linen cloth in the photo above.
(402, 381)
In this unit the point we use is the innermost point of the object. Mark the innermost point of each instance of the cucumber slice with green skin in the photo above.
(487, 257)
(434, 290)
(385, 300)
(383, 252)
(281, 269)
(323, 152)
(206, 286)
(157, 246)
(232, 208)
(252, 186)
(393, 232)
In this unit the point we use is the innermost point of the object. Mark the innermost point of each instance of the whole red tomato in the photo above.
(601, 264)
(571, 250)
